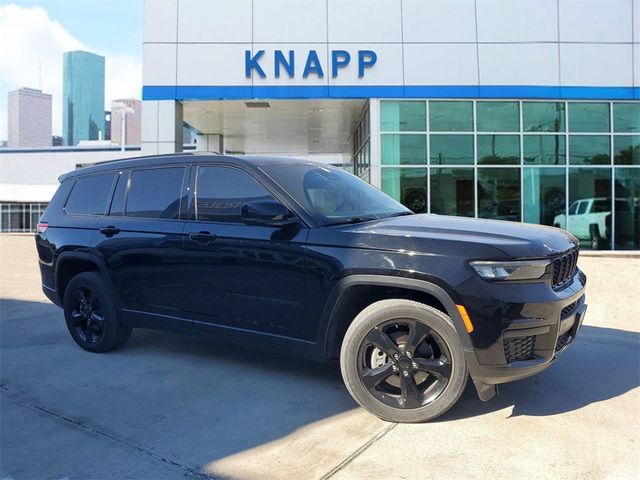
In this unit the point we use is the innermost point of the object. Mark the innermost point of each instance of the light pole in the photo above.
(123, 109)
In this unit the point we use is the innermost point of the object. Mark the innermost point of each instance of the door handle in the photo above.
(109, 231)
(202, 237)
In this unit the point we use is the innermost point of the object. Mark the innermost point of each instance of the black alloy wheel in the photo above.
(91, 314)
(404, 363)
(87, 317)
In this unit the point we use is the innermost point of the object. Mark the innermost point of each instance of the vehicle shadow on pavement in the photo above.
(197, 400)
(602, 363)
(189, 398)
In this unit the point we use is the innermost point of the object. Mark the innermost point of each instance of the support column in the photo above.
(210, 142)
(161, 127)
(374, 143)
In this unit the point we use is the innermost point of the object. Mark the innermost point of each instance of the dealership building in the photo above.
(523, 110)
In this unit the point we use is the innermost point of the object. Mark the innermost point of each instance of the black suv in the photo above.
(310, 259)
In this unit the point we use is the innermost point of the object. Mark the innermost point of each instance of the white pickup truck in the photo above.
(590, 219)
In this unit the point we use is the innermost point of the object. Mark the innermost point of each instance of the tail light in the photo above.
(42, 227)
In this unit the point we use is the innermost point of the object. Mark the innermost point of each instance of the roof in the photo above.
(178, 158)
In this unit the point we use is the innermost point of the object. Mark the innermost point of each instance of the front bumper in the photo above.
(520, 329)
(559, 337)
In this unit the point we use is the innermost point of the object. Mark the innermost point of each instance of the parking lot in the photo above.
(172, 406)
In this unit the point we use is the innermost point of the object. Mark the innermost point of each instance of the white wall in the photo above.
(419, 42)
(33, 177)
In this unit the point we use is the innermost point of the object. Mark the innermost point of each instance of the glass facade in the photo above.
(574, 165)
(20, 217)
(361, 148)
(82, 97)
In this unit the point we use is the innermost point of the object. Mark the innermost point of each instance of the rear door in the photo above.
(243, 277)
(141, 241)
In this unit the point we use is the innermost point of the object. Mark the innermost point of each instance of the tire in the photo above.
(91, 315)
(434, 394)
(595, 238)
(416, 201)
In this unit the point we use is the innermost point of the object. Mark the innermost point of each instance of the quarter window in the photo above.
(155, 193)
(90, 195)
(222, 191)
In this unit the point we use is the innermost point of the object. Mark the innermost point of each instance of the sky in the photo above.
(35, 34)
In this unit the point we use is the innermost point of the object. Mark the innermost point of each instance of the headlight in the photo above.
(518, 270)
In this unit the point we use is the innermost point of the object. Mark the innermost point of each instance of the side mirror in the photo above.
(266, 212)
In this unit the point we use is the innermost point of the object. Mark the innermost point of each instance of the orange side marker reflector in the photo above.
(465, 318)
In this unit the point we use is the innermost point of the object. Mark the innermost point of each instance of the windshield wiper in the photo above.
(358, 219)
(401, 214)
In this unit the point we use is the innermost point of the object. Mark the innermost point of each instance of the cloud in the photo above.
(31, 53)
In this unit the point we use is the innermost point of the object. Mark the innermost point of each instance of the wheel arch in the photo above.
(70, 264)
(352, 294)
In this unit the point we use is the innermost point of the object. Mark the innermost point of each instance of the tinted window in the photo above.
(221, 192)
(451, 116)
(574, 208)
(583, 207)
(588, 117)
(499, 193)
(332, 194)
(117, 203)
(404, 149)
(90, 195)
(543, 117)
(60, 197)
(589, 150)
(155, 193)
(626, 117)
(498, 149)
(452, 149)
(498, 116)
(403, 116)
(601, 206)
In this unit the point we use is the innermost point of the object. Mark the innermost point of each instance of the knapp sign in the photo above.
(288, 64)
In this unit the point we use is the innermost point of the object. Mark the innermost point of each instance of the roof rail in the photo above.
(143, 156)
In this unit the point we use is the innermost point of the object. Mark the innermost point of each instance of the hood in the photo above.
(513, 239)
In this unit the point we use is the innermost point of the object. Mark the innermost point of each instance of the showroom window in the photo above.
(520, 161)
(20, 217)
(361, 148)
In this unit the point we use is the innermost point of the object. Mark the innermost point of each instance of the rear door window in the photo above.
(90, 195)
(155, 193)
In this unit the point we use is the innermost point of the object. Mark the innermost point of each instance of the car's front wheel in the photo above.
(402, 360)
(91, 315)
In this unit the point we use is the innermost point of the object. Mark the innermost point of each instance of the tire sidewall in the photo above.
(94, 282)
(386, 310)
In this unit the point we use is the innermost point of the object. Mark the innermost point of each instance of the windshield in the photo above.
(333, 195)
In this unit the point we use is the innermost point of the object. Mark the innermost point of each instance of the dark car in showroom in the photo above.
(309, 259)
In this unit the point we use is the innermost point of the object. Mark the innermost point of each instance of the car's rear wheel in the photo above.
(402, 360)
(596, 240)
(91, 315)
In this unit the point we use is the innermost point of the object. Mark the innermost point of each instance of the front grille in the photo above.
(568, 309)
(564, 267)
(563, 340)
(519, 348)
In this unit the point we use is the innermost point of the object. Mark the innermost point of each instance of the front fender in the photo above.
(339, 295)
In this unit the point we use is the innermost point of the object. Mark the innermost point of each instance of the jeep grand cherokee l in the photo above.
(310, 259)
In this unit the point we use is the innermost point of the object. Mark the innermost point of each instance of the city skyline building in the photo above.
(83, 97)
(28, 118)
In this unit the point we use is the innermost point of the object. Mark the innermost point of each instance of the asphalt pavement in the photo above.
(168, 406)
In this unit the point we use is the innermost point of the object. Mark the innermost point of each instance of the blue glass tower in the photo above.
(83, 97)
